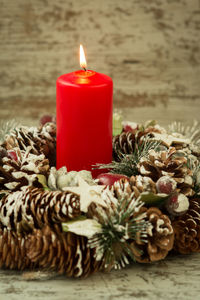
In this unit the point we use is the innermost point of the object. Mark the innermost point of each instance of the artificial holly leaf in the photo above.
(82, 226)
(151, 199)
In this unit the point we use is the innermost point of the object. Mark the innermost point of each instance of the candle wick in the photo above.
(84, 69)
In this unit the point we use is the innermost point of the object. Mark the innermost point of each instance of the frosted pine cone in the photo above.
(66, 253)
(187, 229)
(20, 168)
(122, 187)
(125, 143)
(137, 184)
(33, 207)
(142, 184)
(164, 163)
(41, 140)
(13, 251)
(160, 238)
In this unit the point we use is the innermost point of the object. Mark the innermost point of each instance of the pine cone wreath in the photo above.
(31, 208)
(187, 229)
(160, 237)
(66, 253)
(13, 251)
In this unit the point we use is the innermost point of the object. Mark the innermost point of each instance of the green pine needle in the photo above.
(128, 164)
(6, 128)
(120, 224)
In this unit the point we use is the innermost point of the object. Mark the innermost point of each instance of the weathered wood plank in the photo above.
(149, 47)
(174, 278)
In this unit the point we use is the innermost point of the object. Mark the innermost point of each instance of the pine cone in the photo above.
(164, 163)
(20, 168)
(187, 229)
(41, 140)
(125, 143)
(121, 187)
(137, 185)
(13, 251)
(160, 237)
(142, 184)
(32, 208)
(64, 252)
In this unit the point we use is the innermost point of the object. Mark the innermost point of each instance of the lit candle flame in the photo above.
(83, 63)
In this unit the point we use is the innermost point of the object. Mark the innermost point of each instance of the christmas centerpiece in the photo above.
(143, 206)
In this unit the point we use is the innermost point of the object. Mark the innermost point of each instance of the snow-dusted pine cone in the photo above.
(41, 140)
(20, 168)
(137, 184)
(187, 229)
(33, 208)
(66, 253)
(142, 184)
(165, 163)
(125, 143)
(13, 251)
(160, 237)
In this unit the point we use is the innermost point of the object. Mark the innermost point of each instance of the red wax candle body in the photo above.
(84, 120)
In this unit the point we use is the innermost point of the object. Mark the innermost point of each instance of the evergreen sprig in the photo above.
(128, 164)
(6, 128)
(120, 224)
(191, 132)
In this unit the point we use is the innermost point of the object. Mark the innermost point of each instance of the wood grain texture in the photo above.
(175, 278)
(149, 47)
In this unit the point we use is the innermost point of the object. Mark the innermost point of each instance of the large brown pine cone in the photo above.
(160, 237)
(13, 251)
(187, 229)
(64, 252)
(41, 140)
(164, 163)
(33, 208)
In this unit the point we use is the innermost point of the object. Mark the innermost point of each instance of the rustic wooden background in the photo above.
(149, 47)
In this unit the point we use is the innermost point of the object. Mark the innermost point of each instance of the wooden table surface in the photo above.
(177, 277)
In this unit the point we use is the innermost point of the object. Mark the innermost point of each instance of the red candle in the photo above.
(84, 119)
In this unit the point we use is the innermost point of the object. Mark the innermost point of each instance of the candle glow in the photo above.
(83, 63)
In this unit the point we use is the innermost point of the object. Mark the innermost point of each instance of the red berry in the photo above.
(127, 128)
(46, 119)
(174, 199)
(109, 178)
(166, 185)
(130, 126)
(13, 155)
